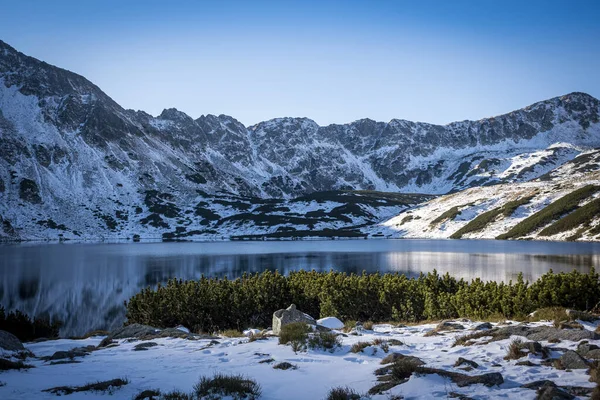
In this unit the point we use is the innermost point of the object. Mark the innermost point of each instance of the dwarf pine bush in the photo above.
(211, 304)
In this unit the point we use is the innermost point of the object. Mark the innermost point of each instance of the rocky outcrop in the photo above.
(10, 342)
(290, 315)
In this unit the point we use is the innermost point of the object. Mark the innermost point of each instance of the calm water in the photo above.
(85, 285)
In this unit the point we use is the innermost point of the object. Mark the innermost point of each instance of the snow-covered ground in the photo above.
(179, 363)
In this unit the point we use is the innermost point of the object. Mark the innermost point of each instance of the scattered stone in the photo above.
(144, 346)
(464, 361)
(581, 315)
(70, 354)
(288, 316)
(572, 360)
(10, 342)
(532, 347)
(284, 366)
(570, 325)
(527, 363)
(484, 326)
(446, 326)
(394, 357)
(461, 380)
(584, 348)
(266, 361)
(549, 391)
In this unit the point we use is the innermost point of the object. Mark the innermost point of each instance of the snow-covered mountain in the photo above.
(75, 163)
(563, 204)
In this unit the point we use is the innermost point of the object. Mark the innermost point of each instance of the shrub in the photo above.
(515, 350)
(148, 394)
(349, 325)
(343, 393)
(297, 331)
(26, 328)
(582, 216)
(368, 325)
(554, 314)
(483, 219)
(324, 340)
(555, 210)
(220, 385)
(449, 214)
(219, 304)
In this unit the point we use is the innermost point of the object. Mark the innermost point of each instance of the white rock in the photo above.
(250, 332)
(331, 323)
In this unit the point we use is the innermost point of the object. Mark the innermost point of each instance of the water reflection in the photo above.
(86, 285)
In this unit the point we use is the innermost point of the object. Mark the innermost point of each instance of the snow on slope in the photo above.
(177, 364)
(424, 220)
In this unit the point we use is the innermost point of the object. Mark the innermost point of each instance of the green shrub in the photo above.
(220, 385)
(553, 211)
(482, 220)
(449, 214)
(296, 331)
(324, 340)
(343, 393)
(582, 216)
(229, 304)
(27, 329)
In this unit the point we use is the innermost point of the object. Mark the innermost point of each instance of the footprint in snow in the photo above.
(223, 359)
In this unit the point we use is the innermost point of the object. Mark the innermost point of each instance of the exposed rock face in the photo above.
(70, 153)
(10, 342)
(290, 315)
(571, 360)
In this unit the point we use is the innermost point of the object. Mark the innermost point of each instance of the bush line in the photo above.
(210, 305)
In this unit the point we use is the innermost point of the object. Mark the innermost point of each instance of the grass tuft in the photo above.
(236, 386)
(515, 350)
(343, 393)
(358, 347)
(324, 340)
(100, 386)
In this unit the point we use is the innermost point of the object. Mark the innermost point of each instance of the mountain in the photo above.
(563, 204)
(74, 163)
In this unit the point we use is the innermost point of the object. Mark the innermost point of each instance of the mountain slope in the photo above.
(561, 205)
(74, 162)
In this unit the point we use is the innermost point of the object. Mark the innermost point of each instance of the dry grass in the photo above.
(103, 386)
(358, 347)
(343, 393)
(515, 350)
(368, 325)
(468, 339)
(232, 333)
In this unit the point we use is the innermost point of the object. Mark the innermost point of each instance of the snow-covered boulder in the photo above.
(290, 315)
(331, 323)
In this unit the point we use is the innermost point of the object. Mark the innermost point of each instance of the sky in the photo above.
(331, 61)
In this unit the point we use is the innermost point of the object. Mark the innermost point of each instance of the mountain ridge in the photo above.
(71, 155)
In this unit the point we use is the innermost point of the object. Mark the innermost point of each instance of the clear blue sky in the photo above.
(332, 61)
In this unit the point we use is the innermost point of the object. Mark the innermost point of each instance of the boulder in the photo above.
(288, 316)
(483, 326)
(331, 323)
(584, 348)
(593, 354)
(10, 342)
(449, 326)
(463, 361)
(571, 360)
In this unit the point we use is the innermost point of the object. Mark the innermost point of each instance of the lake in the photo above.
(85, 285)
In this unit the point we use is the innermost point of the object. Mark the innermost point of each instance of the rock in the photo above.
(550, 392)
(331, 323)
(483, 326)
(572, 360)
(145, 332)
(544, 333)
(584, 348)
(394, 357)
(464, 361)
(284, 366)
(133, 331)
(538, 384)
(10, 342)
(570, 325)
(593, 354)
(461, 380)
(71, 354)
(448, 326)
(581, 315)
(144, 346)
(527, 363)
(288, 316)
(532, 347)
